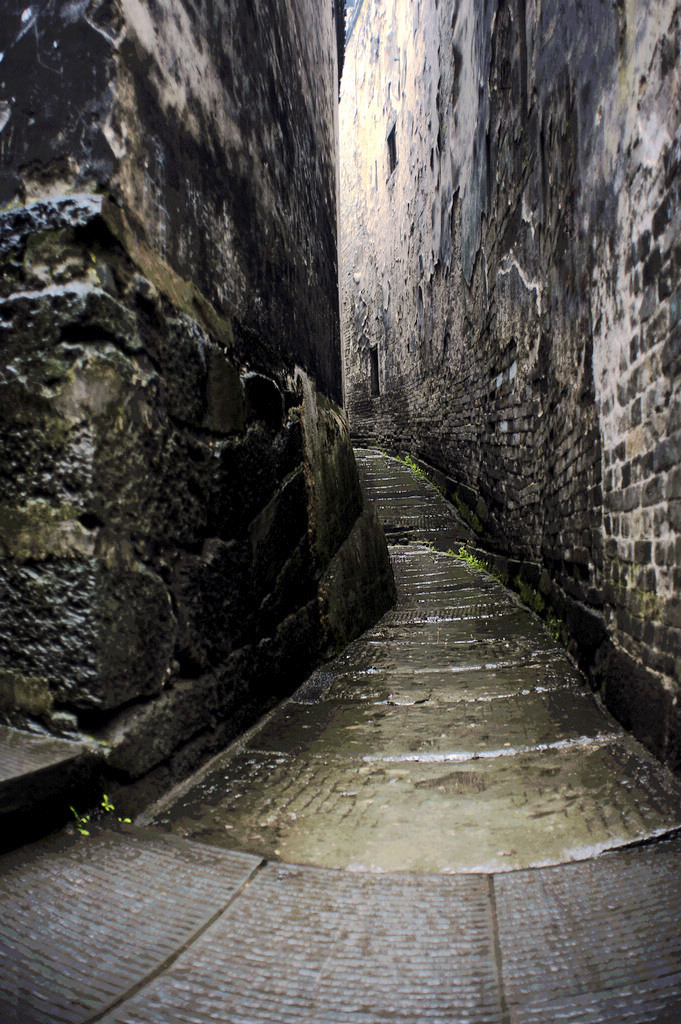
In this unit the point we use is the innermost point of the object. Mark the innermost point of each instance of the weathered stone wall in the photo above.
(177, 482)
(516, 275)
(210, 129)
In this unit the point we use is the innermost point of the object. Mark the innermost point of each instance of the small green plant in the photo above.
(81, 821)
(557, 628)
(84, 820)
(478, 563)
(468, 516)
(421, 473)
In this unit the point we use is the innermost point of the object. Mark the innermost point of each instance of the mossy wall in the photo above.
(176, 477)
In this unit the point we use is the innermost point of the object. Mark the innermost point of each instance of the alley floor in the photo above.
(441, 825)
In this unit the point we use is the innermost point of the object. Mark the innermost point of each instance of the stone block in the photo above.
(277, 530)
(335, 494)
(245, 473)
(145, 736)
(237, 693)
(675, 306)
(78, 312)
(100, 637)
(663, 214)
(671, 352)
(671, 611)
(585, 624)
(264, 401)
(39, 777)
(211, 594)
(635, 695)
(648, 305)
(665, 284)
(294, 586)
(674, 515)
(358, 585)
(38, 530)
(673, 751)
(225, 402)
(85, 417)
(30, 695)
(282, 661)
(652, 267)
(179, 347)
(643, 551)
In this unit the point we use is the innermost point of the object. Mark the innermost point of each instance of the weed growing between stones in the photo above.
(84, 820)
(477, 563)
(417, 471)
(528, 595)
(468, 515)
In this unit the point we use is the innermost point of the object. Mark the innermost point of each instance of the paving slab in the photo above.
(419, 835)
(479, 683)
(409, 506)
(434, 743)
(426, 812)
(595, 941)
(454, 730)
(326, 947)
(38, 776)
(85, 920)
(23, 754)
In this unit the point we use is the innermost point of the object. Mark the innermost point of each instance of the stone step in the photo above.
(428, 727)
(39, 776)
(456, 735)
(424, 812)
(436, 782)
(87, 919)
(145, 929)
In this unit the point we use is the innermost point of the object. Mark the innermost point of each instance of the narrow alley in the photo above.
(441, 825)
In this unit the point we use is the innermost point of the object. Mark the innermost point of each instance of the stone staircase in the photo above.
(442, 825)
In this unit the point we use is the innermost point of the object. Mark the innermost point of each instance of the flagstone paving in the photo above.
(442, 825)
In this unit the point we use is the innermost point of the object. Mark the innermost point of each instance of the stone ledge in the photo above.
(39, 777)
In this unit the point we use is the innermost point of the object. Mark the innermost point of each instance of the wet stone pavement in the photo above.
(441, 825)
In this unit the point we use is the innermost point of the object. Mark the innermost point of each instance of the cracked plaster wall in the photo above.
(518, 275)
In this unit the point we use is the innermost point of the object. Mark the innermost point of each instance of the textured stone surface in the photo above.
(454, 735)
(339, 948)
(133, 580)
(142, 929)
(160, 119)
(113, 908)
(358, 584)
(176, 474)
(35, 774)
(85, 629)
(627, 972)
(512, 284)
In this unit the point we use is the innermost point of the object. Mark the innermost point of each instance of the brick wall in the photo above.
(517, 273)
